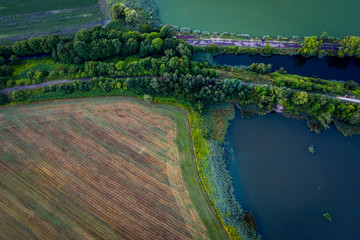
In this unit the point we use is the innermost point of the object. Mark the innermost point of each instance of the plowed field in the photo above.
(99, 168)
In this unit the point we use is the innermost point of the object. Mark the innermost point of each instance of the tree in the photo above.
(310, 47)
(323, 36)
(83, 35)
(184, 50)
(325, 119)
(37, 77)
(3, 98)
(117, 11)
(80, 48)
(351, 84)
(268, 50)
(2, 61)
(301, 98)
(106, 86)
(18, 96)
(158, 43)
(34, 44)
(166, 32)
(130, 47)
(21, 48)
(155, 85)
(355, 119)
(5, 70)
(130, 15)
(350, 46)
(117, 44)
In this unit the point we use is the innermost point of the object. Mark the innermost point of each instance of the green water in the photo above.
(261, 17)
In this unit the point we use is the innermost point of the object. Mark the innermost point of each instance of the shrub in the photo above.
(245, 36)
(185, 30)
(295, 38)
(10, 83)
(267, 37)
(311, 149)
(282, 38)
(148, 98)
(196, 32)
(18, 96)
(206, 33)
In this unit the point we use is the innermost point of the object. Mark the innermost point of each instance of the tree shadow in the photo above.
(335, 62)
(299, 61)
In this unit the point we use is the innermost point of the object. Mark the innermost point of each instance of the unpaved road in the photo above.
(9, 90)
(276, 44)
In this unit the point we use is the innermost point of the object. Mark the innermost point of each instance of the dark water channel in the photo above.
(331, 68)
(288, 189)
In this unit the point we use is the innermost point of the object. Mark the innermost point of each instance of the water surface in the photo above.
(331, 68)
(261, 17)
(287, 188)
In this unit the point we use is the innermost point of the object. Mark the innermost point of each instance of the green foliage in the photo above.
(308, 83)
(117, 11)
(260, 68)
(158, 43)
(18, 96)
(148, 98)
(311, 149)
(3, 98)
(130, 15)
(310, 47)
(300, 98)
(327, 216)
(352, 85)
(166, 32)
(350, 46)
(267, 50)
(323, 36)
(2, 61)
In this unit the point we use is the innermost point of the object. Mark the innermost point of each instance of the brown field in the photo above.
(99, 168)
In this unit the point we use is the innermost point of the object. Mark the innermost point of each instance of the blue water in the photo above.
(331, 68)
(287, 188)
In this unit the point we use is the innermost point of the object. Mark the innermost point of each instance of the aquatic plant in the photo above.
(223, 196)
(311, 149)
(327, 216)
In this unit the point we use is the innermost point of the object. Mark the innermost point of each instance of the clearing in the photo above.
(101, 168)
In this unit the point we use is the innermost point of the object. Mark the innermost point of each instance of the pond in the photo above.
(288, 189)
(262, 17)
(330, 68)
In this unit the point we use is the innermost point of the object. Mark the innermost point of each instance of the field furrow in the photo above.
(105, 168)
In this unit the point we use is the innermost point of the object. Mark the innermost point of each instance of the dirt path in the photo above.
(49, 83)
(104, 6)
(9, 90)
(276, 44)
